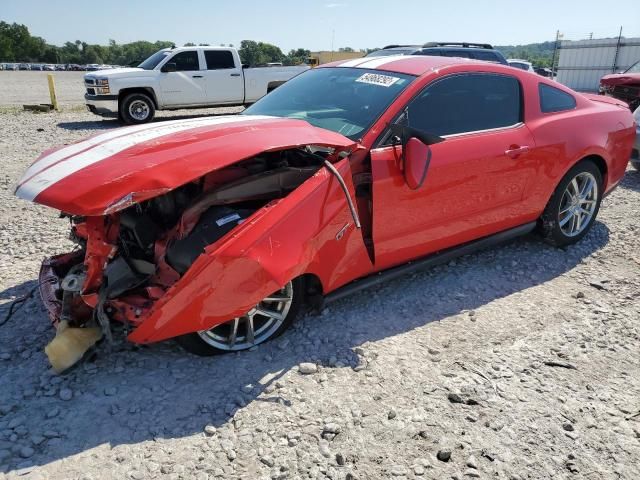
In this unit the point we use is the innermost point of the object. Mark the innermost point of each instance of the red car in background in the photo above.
(624, 86)
(217, 230)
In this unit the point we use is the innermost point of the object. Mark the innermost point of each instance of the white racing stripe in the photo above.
(93, 151)
(355, 62)
(78, 147)
(379, 62)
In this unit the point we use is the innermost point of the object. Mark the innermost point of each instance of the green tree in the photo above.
(259, 53)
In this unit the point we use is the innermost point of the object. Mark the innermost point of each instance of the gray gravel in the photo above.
(521, 362)
(25, 87)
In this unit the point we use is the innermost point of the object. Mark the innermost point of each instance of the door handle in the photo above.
(235, 74)
(515, 151)
(196, 76)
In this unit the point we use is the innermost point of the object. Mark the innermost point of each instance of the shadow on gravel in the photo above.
(141, 394)
(631, 180)
(106, 124)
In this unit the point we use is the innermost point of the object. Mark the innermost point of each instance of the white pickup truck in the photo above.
(185, 77)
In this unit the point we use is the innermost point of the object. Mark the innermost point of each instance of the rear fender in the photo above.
(309, 231)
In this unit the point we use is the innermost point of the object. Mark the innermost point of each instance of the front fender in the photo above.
(296, 235)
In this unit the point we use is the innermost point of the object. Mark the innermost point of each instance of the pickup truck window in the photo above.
(344, 100)
(219, 59)
(186, 61)
(153, 61)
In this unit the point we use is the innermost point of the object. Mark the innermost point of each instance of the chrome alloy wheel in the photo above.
(254, 327)
(578, 204)
(139, 110)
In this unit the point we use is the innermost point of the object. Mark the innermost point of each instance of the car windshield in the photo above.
(344, 100)
(635, 68)
(153, 61)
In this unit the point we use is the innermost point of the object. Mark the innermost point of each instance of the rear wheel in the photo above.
(268, 319)
(136, 108)
(574, 205)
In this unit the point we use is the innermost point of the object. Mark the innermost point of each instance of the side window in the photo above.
(485, 56)
(218, 59)
(186, 61)
(554, 100)
(456, 53)
(467, 103)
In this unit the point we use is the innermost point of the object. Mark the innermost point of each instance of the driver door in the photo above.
(186, 85)
(476, 178)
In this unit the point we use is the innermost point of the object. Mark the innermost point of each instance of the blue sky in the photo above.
(311, 23)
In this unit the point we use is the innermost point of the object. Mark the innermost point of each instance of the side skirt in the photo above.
(432, 260)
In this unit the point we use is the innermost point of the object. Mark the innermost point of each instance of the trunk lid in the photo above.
(110, 171)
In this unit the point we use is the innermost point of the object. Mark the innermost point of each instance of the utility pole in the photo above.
(333, 37)
(555, 50)
(614, 67)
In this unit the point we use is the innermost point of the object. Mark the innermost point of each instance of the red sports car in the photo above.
(217, 230)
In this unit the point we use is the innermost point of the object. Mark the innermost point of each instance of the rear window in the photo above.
(555, 100)
(218, 59)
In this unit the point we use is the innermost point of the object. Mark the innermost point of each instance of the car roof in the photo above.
(408, 64)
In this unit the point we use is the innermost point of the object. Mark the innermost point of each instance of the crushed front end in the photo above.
(126, 262)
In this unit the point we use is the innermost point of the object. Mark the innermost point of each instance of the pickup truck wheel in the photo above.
(268, 319)
(136, 108)
(573, 207)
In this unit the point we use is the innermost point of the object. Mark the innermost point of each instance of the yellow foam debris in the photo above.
(70, 344)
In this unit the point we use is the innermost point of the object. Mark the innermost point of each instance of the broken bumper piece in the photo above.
(52, 272)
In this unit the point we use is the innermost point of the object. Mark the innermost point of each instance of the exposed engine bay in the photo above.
(127, 260)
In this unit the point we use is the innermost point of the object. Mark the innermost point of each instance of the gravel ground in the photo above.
(521, 362)
(25, 87)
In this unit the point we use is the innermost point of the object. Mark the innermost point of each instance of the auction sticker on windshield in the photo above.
(377, 79)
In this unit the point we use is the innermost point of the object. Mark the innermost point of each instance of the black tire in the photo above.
(550, 222)
(127, 108)
(194, 342)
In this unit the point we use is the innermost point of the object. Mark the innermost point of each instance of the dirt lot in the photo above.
(521, 362)
(24, 87)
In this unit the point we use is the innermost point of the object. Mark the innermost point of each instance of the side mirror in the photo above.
(169, 67)
(416, 153)
(417, 157)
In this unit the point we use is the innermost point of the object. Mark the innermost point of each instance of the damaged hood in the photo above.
(110, 171)
(620, 79)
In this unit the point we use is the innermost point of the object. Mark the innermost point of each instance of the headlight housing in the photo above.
(102, 90)
(102, 82)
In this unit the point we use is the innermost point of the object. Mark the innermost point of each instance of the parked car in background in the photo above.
(624, 85)
(217, 230)
(74, 67)
(92, 67)
(49, 68)
(475, 51)
(185, 77)
(60, 67)
(545, 72)
(521, 64)
(635, 152)
(24, 66)
(394, 50)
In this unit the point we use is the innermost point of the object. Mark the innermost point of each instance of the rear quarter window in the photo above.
(555, 100)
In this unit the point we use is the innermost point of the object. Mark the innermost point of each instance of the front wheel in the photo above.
(268, 319)
(136, 108)
(573, 207)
